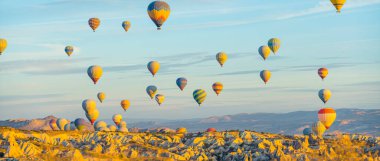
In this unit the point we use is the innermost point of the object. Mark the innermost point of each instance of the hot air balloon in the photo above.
(3, 45)
(125, 104)
(122, 124)
(307, 131)
(199, 96)
(318, 128)
(159, 12)
(181, 130)
(53, 124)
(69, 50)
(327, 116)
(123, 129)
(80, 124)
(89, 105)
(101, 96)
(67, 127)
(126, 25)
(211, 129)
(181, 83)
(92, 116)
(264, 51)
(117, 118)
(94, 23)
(217, 87)
(95, 72)
(322, 72)
(153, 67)
(265, 75)
(151, 90)
(112, 127)
(274, 44)
(61, 122)
(99, 124)
(324, 95)
(338, 4)
(160, 99)
(221, 57)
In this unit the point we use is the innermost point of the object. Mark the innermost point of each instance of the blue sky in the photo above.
(38, 79)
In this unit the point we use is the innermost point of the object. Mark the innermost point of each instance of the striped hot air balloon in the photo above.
(199, 96)
(324, 95)
(151, 90)
(217, 87)
(221, 57)
(327, 116)
(153, 67)
(264, 51)
(318, 128)
(274, 44)
(53, 124)
(338, 4)
(80, 124)
(323, 72)
(265, 75)
(181, 83)
(159, 12)
(95, 72)
(69, 50)
(94, 23)
(61, 122)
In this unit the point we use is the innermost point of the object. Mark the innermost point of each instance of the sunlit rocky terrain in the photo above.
(230, 145)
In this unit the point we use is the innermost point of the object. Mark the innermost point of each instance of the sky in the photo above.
(38, 79)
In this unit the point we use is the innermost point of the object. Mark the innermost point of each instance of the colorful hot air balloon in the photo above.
(112, 127)
(199, 96)
(95, 72)
(322, 72)
(221, 57)
(80, 124)
(338, 4)
(159, 12)
(68, 127)
(92, 116)
(153, 67)
(3, 45)
(211, 129)
(217, 87)
(160, 99)
(181, 130)
(99, 124)
(101, 96)
(264, 51)
(181, 83)
(117, 118)
(126, 25)
(265, 75)
(318, 128)
(69, 50)
(151, 90)
(89, 105)
(307, 131)
(61, 122)
(125, 104)
(274, 44)
(94, 23)
(53, 124)
(324, 95)
(327, 116)
(122, 124)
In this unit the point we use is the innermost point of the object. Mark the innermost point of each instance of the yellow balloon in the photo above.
(95, 72)
(221, 57)
(3, 45)
(89, 105)
(101, 96)
(125, 104)
(327, 116)
(318, 128)
(338, 4)
(117, 118)
(324, 95)
(265, 75)
(264, 51)
(160, 99)
(126, 25)
(92, 116)
(217, 87)
(153, 67)
(274, 44)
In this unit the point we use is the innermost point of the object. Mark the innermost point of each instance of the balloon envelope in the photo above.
(217, 87)
(324, 95)
(158, 12)
(126, 25)
(61, 122)
(95, 72)
(318, 128)
(327, 116)
(151, 90)
(53, 124)
(265, 75)
(117, 118)
(92, 116)
(80, 124)
(69, 50)
(323, 72)
(160, 99)
(274, 44)
(3, 45)
(89, 105)
(181, 83)
(264, 51)
(338, 4)
(307, 131)
(221, 57)
(94, 23)
(181, 130)
(153, 67)
(199, 96)
(125, 104)
(101, 96)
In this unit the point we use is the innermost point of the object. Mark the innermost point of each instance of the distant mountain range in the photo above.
(363, 121)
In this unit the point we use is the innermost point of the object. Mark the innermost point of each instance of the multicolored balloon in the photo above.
(324, 95)
(94, 23)
(211, 129)
(318, 128)
(323, 72)
(80, 124)
(95, 72)
(53, 124)
(3, 45)
(117, 118)
(199, 96)
(265, 75)
(61, 122)
(327, 116)
(99, 124)
(181, 83)
(151, 90)
(160, 99)
(92, 116)
(153, 67)
(307, 131)
(221, 57)
(338, 4)
(217, 87)
(126, 25)
(88, 105)
(181, 130)
(159, 12)
(274, 44)
(101, 96)
(125, 104)
(264, 51)
(69, 50)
